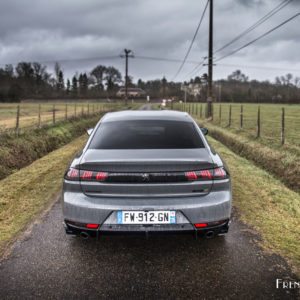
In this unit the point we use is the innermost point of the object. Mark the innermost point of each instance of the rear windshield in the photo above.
(146, 134)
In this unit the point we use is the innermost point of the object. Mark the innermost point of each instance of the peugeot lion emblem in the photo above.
(145, 177)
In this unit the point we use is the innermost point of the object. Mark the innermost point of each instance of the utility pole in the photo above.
(127, 54)
(164, 82)
(210, 62)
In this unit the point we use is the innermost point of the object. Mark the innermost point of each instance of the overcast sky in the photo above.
(47, 31)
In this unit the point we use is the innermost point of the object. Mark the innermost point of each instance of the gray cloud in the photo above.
(64, 29)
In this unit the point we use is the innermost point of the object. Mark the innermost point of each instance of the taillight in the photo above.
(72, 174)
(76, 175)
(92, 175)
(219, 173)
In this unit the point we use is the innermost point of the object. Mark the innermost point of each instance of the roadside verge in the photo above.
(17, 152)
(266, 204)
(26, 193)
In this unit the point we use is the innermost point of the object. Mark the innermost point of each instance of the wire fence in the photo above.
(15, 118)
(277, 124)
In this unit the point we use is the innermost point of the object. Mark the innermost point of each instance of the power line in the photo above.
(276, 9)
(164, 59)
(192, 42)
(197, 68)
(256, 24)
(258, 38)
(259, 67)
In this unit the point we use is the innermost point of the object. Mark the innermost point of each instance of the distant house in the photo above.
(193, 89)
(132, 92)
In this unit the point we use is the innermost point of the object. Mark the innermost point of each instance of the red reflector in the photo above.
(92, 225)
(191, 175)
(201, 225)
(87, 175)
(101, 175)
(205, 174)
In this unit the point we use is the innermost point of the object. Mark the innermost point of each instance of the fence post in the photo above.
(241, 118)
(88, 109)
(82, 109)
(53, 114)
(93, 108)
(282, 127)
(18, 120)
(66, 112)
(201, 111)
(258, 121)
(196, 113)
(39, 116)
(220, 114)
(229, 117)
(75, 110)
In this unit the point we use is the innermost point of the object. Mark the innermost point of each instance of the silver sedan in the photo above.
(147, 171)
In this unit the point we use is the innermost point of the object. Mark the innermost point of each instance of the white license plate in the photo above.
(146, 217)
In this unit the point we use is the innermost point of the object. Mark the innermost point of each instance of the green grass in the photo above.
(26, 193)
(266, 204)
(19, 151)
(29, 112)
(270, 115)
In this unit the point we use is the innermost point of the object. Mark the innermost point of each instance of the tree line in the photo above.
(31, 80)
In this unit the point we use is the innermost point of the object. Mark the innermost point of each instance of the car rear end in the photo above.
(147, 172)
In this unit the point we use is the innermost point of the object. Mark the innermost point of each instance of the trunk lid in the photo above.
(146, 173)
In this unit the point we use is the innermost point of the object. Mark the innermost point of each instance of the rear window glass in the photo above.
(146, 134)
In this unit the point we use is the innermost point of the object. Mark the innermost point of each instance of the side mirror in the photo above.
(89, 131)
(204, 130)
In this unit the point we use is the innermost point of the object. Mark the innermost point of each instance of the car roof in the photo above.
(127, 115)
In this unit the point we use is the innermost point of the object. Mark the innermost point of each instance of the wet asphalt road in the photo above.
(50, 265)
(47, 264)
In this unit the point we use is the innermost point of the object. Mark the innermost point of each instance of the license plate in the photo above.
(146, 217)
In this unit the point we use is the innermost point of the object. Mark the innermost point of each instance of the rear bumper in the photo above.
(215, 206)
(145, 230)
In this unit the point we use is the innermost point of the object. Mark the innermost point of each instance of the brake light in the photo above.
(191, 175)
(200, 225)
(92, 175)
(101, 175)
(205, 174)
(219, 173)
(72, 174)
(86, 175)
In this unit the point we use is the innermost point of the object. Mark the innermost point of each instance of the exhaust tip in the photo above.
(84, 235)
(210, 234)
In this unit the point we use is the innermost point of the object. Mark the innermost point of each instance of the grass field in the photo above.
(29, 112)
(270, 118)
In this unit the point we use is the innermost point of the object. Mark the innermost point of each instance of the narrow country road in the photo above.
(47, 264)
(50, 265)
(146, 106)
